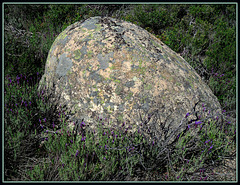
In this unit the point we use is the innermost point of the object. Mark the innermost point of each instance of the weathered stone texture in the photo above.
(113, 69)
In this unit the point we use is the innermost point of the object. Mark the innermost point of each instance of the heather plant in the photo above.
(107, 153)
(38, 145)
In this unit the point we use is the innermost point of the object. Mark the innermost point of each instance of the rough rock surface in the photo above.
(113, 69)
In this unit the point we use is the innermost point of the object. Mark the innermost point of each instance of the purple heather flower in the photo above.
(221, 75)
(104, 158)
(44, 119)
(187, 115)
(83, 138)
(53, 125)
(113, 141)
(104, 133)
(188, 127)
(198, 122)
(211, 147)
(46, 139)
(153, 143)
(203, 105)
(102, 123)
(83, 123)
(178, 177)
(76, 153)
(149, 116)
(39, 120)
(66, 144)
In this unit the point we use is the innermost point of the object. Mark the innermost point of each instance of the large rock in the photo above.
(113, 69)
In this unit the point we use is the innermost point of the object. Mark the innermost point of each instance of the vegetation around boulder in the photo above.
(37, 144)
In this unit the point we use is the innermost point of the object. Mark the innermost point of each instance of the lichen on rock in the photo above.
(115, 69)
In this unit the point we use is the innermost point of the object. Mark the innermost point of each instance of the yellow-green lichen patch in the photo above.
(148, 87)
(112, 67)
(178, 84)
(130, 94)
(189, 82)
(141, 70)
(117, 81)
(61, 36)
(77, 54)
(102, 102)
(135, 78)
(119, 89)
(98, 27)
(90, 54)
(120, 117)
